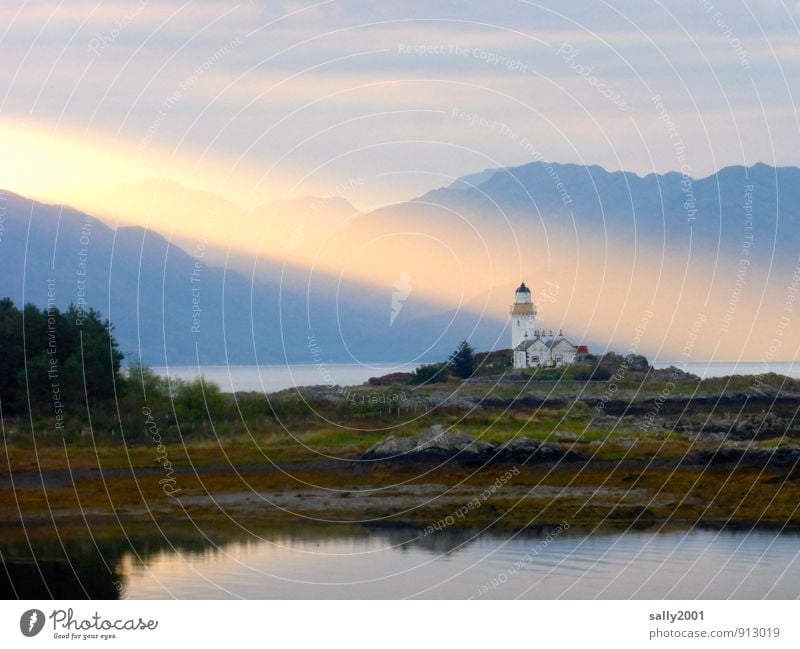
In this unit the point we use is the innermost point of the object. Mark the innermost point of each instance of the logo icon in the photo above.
(31, 622)
(400, 294)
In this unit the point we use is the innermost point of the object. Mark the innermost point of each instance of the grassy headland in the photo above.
(640, 447)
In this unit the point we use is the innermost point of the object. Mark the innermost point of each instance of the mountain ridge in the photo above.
(146, 286)
(619, 230)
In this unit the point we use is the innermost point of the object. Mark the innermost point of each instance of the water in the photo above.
(380, 563)
(272, 378)
(392, 563)
(641, 565)
(710, 369)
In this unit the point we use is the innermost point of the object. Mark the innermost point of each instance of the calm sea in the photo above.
(640, 565)
(271, 378)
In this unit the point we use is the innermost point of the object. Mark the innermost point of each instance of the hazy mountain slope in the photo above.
(152, 291)
(600, 249)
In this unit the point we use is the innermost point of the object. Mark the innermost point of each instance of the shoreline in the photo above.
(596, 493)
(265, 378)
(710, 453)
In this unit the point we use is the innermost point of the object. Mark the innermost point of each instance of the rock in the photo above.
(439, 443)
(436, 442)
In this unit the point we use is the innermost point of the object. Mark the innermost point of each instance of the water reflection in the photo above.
(400, 562)
(74, 570)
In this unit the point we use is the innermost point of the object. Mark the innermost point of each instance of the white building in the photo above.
(535, 348)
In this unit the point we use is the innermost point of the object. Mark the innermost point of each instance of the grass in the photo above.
(237, 456)
(617, 495)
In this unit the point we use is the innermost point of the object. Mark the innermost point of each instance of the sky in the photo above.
(380, 102)
(210, 121)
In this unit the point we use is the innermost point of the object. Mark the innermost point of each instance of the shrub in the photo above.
(431, 373)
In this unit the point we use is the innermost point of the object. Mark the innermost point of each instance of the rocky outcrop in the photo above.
(438, 443)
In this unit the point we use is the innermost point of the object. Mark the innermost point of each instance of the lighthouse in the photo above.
(523, 315)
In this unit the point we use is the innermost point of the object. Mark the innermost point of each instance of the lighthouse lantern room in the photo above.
(523, 316)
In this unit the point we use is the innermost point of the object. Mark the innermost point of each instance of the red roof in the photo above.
(582, 349)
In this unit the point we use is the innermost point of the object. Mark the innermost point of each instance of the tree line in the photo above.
(52, 360)
(62, 369)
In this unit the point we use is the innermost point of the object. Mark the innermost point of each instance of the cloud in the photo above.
(329, 84)
(138, 14)
(45, 160)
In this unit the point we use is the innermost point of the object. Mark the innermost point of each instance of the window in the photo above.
(559, 358)
(534, 359)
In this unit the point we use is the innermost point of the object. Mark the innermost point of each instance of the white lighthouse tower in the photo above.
(523, 316)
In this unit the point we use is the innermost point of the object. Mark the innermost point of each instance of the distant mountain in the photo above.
(171, 307)
(471, 181)
(602, 250)
(673, 266)
(657, 209)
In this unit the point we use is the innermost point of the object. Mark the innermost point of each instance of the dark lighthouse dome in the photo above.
(523, 289)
